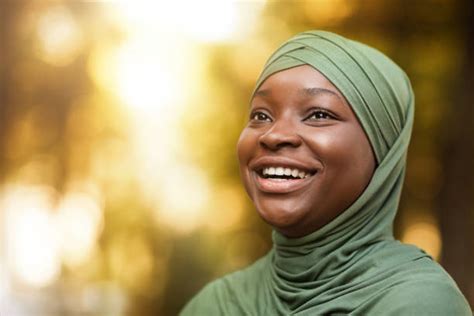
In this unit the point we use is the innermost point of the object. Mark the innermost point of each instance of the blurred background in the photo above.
(119, 186)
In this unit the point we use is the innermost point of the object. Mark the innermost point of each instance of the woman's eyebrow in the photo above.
(263, 92)
(317, 91)
(306, 91)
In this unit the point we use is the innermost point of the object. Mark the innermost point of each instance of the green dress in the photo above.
(353, 265)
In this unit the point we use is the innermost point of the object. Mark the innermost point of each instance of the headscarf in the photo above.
(352, 264)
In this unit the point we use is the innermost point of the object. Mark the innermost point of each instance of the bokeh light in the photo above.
(183, 198)
(79, 220)
(143, 72)
(227, 208)
(131, 261)
(425, 234)
(198, 21)
(32, 241)
(328, 11)
(59, 36)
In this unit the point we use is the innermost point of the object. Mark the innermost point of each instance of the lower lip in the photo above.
(280, 185)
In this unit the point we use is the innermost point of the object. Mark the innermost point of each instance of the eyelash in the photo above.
(254, 116)
(318, 114)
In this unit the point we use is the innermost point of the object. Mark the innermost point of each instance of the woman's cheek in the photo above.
(324, 144)
(246, 145)
(241, 145)
(244, 153)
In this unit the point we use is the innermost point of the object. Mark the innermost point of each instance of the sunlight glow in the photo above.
(203, 21)
(40, 236)
(145, 79)
(147, 76)
(32, 242)
(209, 21)
(60, 38)
(184, 195)
(79, 220)
(153, 71)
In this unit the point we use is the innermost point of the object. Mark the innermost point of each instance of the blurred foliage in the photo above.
(120, 190)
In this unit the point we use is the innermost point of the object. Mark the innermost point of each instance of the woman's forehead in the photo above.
(305, 81)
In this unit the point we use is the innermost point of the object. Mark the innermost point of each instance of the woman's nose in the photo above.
(281, 134)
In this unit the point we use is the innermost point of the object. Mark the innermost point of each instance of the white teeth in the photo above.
(280, 171)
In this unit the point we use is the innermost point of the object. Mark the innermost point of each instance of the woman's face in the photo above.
(304, 157)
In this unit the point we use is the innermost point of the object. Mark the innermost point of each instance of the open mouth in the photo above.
(281, 179)
(282, 173)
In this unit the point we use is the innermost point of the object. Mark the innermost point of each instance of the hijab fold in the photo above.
(345, 266)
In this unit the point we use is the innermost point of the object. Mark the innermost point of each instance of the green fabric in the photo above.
(352, 265)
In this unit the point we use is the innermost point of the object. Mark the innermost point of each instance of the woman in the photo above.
(323, 159)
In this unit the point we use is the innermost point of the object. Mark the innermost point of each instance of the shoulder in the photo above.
(224, 295)
(423, 289)
(437, 294)
(205, 302)
(424, 297)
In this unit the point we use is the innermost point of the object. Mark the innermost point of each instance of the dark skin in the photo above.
(301, 122)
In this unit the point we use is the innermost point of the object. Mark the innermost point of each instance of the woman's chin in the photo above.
(282, 219)
(289, 217)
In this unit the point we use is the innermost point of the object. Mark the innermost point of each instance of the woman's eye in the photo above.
(259, 116)
(319, 115)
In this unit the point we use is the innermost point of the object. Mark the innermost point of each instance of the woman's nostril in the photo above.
(277, 143)
(279, 140)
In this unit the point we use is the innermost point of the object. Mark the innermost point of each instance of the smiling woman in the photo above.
(323, 158)
(301, 124)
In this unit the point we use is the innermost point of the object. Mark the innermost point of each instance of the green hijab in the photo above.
(352, 265)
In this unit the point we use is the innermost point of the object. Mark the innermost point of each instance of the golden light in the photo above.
(203, 21)
(39, 236)
(209, 21)
(185, 192)
(147, 74)
(131, 260)
(154, 70)
(145, 79)
(39, 169)
(111, 164)
(79, 219)
(60, 37)
(4, 285)
(248, 64)
(31, 238)
(226, 209)
(326, 12)
(425, 235)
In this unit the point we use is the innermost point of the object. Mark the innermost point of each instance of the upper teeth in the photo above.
(280, 171)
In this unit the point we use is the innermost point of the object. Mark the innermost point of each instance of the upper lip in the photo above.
(268, 161)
